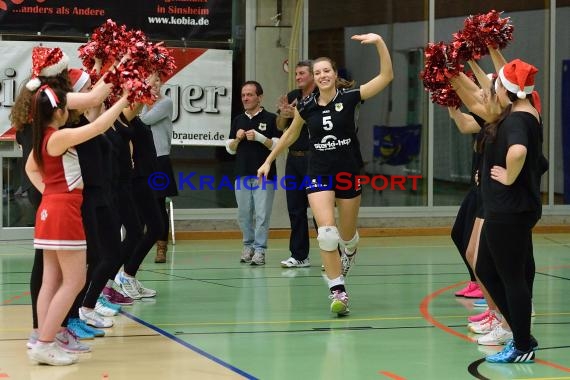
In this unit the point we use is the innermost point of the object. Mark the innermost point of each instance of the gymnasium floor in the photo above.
(215, 318)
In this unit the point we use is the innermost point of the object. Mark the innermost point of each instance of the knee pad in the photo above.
(350, 244)
(328, 238)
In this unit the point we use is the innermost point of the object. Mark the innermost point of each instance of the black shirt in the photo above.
(122, 163)
(332, 133)
(95, 162)
(519, 202)
(144, 152)
(250, 155)
(302, 142)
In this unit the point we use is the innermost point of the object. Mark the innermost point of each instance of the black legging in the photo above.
(505, 265)
(129, 219)
(463, 227)
(149, 213)
(102, 231)
(297, 203)
(161, 202)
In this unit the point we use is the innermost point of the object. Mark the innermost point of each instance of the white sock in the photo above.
(335, 281)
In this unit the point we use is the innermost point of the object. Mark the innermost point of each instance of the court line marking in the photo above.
(189, 346)
(424, 310)
(391, 375)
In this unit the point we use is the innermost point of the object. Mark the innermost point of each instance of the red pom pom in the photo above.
(441, 63)
(480, 31)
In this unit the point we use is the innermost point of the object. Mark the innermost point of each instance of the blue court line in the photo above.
(190, 346)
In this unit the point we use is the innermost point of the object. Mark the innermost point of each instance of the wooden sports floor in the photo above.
(214, 318)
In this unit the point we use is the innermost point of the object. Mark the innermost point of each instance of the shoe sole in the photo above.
(284, 266)
(496, 343)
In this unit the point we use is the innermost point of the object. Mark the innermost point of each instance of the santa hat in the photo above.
(518, 77)
(46, 62)
(78, 78)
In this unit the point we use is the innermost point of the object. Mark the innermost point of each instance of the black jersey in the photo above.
(332, 133)
(302, 142)
(502, 202)
(250, 155)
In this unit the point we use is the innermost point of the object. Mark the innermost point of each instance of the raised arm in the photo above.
(471, 96)
(61, 140)
(86, 100)
(385, 75)
(465, 123)
(497, 58)
(287, 139)
(131, 112)
(481, 76)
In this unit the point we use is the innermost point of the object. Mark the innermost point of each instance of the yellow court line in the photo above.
(351, 320)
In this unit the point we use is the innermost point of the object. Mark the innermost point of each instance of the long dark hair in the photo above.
(42, 112)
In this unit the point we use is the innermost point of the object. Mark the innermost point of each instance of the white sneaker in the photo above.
(486, 325)
(258, 258)
(339, 304)
(291, 262)
(92, 318)
(104, 310)
(50, 353)
(144, 292)
(347, 261)
(498, 336)
(128, 285)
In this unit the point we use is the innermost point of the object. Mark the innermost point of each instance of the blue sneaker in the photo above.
(75, 325)
(511, 354)
(533, 343)
(92, 330)
(480, 303)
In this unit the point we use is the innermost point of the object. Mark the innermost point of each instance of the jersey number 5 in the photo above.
(327, 123)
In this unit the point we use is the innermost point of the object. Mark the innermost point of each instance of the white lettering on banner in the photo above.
(200, 90)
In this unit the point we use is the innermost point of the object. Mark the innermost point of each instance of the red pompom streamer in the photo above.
(481, 31)
(131, 57)
(441, 63)
(160, 60)
(106, 43)
(130, 76)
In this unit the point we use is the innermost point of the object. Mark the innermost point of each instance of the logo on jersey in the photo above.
(44, 215)
(338, 107)
(330, 142)
(262, 126)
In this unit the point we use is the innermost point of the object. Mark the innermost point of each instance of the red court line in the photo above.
(391, 375)
(424, 306)
(16, 297)
(424, 309)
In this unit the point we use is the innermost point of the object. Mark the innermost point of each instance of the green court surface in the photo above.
(273, 323)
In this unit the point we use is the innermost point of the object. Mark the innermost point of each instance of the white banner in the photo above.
(200, 89)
